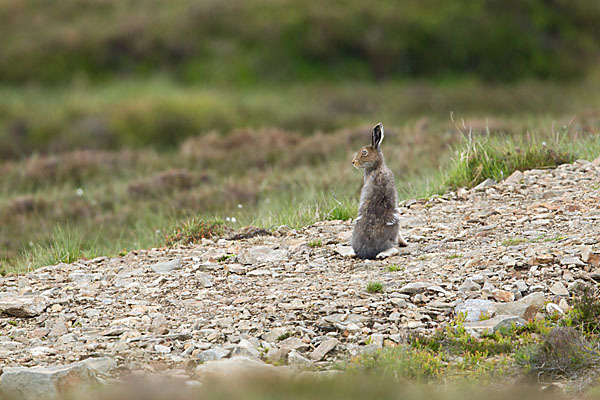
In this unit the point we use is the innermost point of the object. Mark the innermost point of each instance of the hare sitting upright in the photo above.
(376, 230)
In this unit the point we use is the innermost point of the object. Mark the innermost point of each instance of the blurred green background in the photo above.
(119, 119)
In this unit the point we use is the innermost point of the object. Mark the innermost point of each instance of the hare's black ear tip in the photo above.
(378, 126)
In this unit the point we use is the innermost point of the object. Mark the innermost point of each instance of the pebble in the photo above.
(559, 289)
(166, 266)
(325, 347)
(468, 285)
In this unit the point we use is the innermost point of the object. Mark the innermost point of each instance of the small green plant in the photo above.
(66, 246)
(225, 257)
(315, 243)
(455, 340)
(416, 365)
(394, 268)
(194, 230)
(374, 287)
(484, 316)
(341, 212)
(513, 242)
(585, 314)
(453, 256)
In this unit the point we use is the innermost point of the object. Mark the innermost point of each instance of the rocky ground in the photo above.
(295, 296)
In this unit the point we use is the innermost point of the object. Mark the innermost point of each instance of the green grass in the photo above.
(374, 287)
(513, 242)
(225, 257)
(453, 356)
(315, 243)
(134, 197)
(394, 268)
(68, 245)
(453, 256)
(496, 157)
(129, 199)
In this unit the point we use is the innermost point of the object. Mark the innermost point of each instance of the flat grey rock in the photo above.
(46, 382)
(475, 309)
(167, 266)
(262, 255)
(415, 287)
(468, 285)
(559, 289)
(572, 261)
(514, 178)
(245, 348)
(296, 359)
(214, 354)
(345, 319)
(525, 308)
(325, 347)
(489, 326)
(23, 307)
(345, 251)
(293, 343)
(485, 184)
(275, 334)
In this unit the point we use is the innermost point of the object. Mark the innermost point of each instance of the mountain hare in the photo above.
(376, 230)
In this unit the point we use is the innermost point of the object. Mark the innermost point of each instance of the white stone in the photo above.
(166, 266)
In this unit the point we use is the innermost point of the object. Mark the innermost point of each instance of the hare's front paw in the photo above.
(401, 241)
(392, 251)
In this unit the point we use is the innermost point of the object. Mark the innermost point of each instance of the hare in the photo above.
(376, 230)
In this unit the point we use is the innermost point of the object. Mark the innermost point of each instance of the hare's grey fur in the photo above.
(377, 230)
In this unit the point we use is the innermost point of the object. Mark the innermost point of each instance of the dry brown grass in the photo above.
(166, 182)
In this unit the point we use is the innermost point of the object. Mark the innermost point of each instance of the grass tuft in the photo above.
(374, 287)
(194, 230)
(513, 242)
(496, 157)
(67, 245)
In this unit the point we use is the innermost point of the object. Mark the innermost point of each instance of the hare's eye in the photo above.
(364, 152)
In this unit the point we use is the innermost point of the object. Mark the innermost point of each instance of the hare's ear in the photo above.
(377, 137)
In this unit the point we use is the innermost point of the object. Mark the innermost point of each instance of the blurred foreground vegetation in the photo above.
(552, 356)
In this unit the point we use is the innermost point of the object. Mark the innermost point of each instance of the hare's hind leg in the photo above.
(392, 251)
